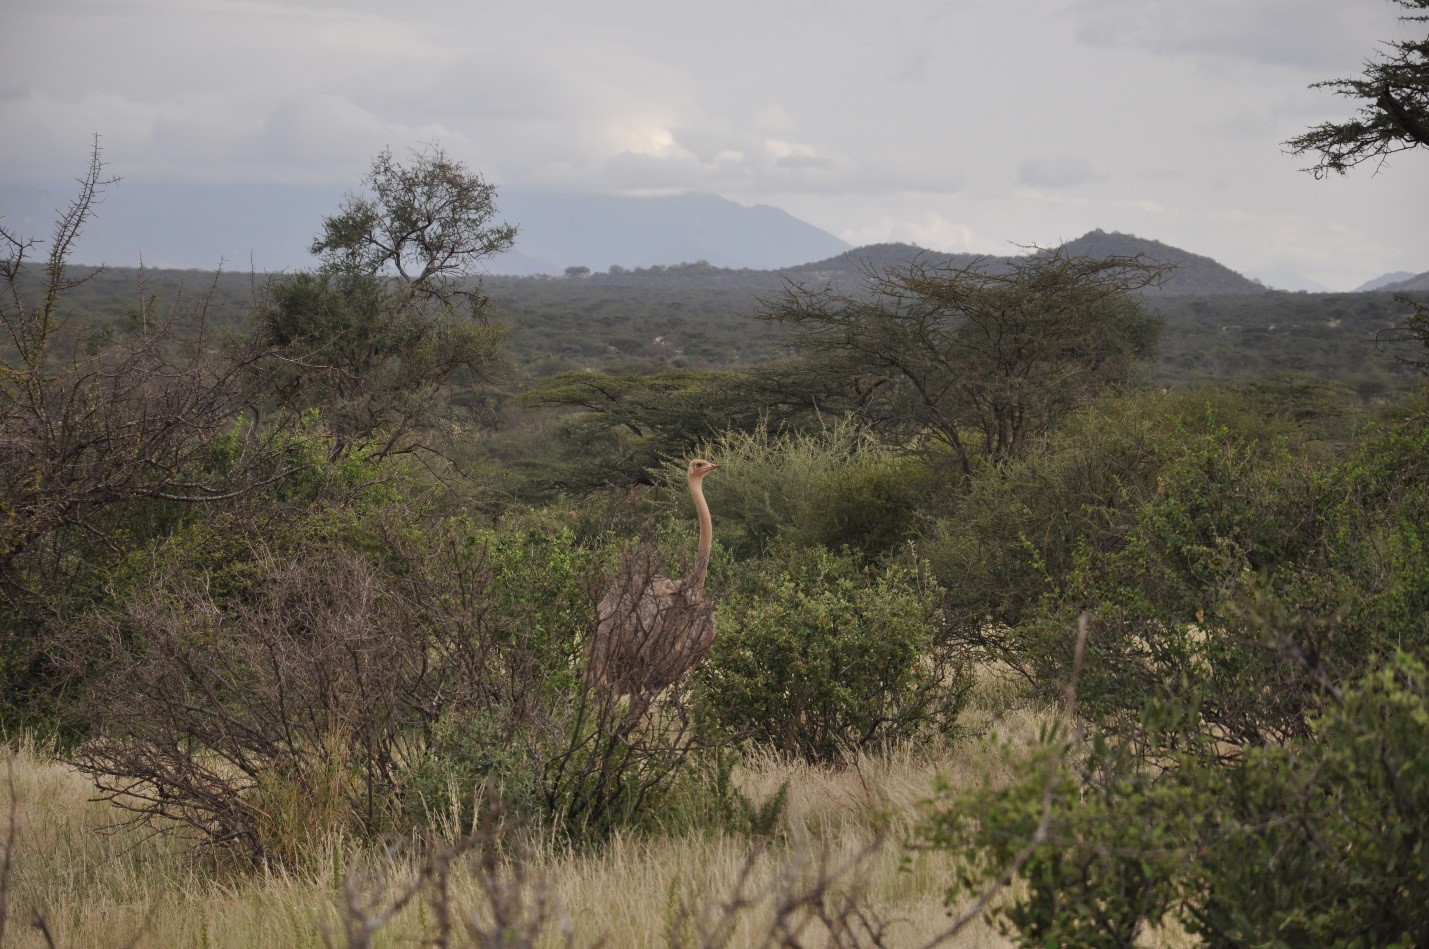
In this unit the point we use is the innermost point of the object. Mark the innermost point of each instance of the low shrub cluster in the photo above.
(1251, 710)
(819, 656)
(1314, 841)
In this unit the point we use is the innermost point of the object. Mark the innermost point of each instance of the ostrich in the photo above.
(651, 630)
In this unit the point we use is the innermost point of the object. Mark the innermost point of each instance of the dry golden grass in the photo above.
(99, 885)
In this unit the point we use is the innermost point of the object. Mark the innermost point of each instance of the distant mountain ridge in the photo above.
(1418, 282)
(1383, 280)
(1190, 274)
(600, 231)
(270, 227)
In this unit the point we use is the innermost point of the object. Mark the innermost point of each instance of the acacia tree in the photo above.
(430, 222)
(1393, 116)
(976, 358)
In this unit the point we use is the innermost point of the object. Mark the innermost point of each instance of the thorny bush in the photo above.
(378, 678)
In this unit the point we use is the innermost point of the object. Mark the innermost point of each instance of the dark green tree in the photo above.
(621, 427)
(380, 366)
(1393, 97)
(978, 358)
(381, 336)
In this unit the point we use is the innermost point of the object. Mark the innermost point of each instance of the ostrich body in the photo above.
(651, 630)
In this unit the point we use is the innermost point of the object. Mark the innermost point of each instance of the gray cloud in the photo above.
(1050, 171)
(970, 125)
(1292, 33)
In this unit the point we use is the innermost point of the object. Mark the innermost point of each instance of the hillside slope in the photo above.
(1192, 274)
(1419, 282)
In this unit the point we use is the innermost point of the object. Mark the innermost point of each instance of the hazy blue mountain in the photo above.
(1417, 282)
(1383, 280)
(270, 227)
(183, 225)
(599, 231)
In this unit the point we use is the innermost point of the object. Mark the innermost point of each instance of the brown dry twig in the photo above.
(828, 906)
(516, 908)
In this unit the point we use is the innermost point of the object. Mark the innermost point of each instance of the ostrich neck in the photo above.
(696, 581)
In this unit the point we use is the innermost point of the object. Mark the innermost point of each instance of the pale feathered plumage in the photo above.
(651, 630)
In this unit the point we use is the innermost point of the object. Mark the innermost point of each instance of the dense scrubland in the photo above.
(1051, 609)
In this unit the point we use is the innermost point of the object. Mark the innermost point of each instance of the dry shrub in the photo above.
(338, 689)
(260, 723)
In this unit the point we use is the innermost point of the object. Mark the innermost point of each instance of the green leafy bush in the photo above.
(1318, 841)
(835, 487)
(1247, 558)
(817, 657)
(1326, 841)
(1095, 861)
(1017, 533)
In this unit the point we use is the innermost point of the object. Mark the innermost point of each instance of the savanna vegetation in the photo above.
(1050, 611)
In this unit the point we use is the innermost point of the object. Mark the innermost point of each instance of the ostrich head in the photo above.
(699, 468)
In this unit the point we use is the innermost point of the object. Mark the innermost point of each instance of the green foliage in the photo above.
(979, 359)
(1248, 556)
(1016, 530)
(625, 426)
(834, 486)
(1016, 533)
(1095, 863)
(376, 362)
(817, 657)
(1325, 842)
(430, 222)
(1317, 841)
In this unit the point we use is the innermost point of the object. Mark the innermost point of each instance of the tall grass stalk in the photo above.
(97, 883)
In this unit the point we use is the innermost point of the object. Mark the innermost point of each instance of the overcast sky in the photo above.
(960, 126)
